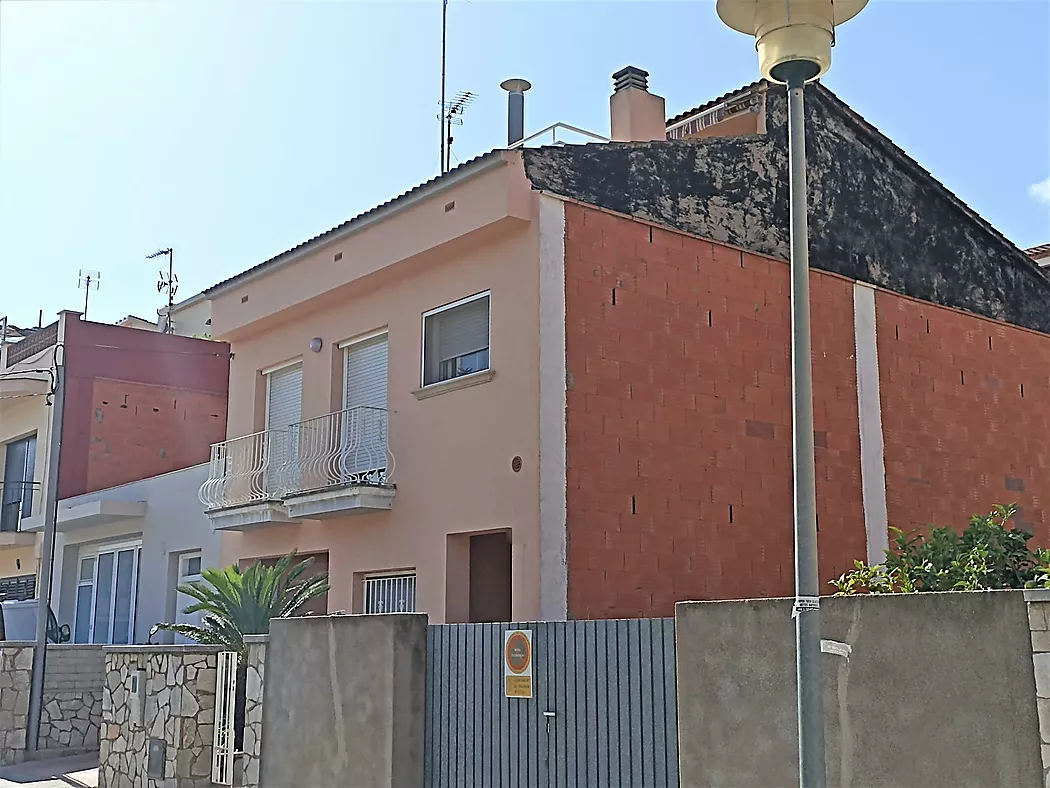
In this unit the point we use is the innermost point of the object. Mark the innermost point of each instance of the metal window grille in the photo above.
(225, 699)
(390, 594)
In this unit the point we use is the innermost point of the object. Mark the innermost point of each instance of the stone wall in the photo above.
(1039, 623)
(179, 709)
(72, 704)
(255, 687)
(16, 670)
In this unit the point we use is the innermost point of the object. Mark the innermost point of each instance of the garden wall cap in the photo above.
(1037, 595)
(190, 648)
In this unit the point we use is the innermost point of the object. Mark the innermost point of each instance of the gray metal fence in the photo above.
(603, 711)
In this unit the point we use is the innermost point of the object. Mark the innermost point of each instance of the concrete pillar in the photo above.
(348, 703)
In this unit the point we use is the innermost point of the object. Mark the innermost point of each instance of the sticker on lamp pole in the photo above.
(517, 663)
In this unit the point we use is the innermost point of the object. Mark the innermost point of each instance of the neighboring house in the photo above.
(25, 423)
(190, 318)
(137, 404)
(1041, 255)
(556, 383)
(136, 322)
(121, 553)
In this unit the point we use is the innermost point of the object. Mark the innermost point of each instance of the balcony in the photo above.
(331, 466)
(18, 500)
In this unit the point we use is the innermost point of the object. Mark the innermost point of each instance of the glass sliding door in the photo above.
(106, 591)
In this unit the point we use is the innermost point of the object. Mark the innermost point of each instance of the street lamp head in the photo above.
(792, 36)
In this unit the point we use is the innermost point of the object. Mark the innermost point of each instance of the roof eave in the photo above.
(380, 213)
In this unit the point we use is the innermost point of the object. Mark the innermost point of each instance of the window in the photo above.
(190, 568)
(390, 594)
(284, 408)
(107, 584)
(17, 495)
(456, 340)
(190, 565)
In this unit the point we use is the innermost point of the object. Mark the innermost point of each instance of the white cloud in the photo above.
(1040, 192)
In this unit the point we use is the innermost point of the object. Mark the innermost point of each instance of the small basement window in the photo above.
(390, 594)
(456, 340)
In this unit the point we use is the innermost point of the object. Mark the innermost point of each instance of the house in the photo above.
(189, 318)
(555, 382)
(131, 321)
(129, 546)
(138, 404)
(1041, 255)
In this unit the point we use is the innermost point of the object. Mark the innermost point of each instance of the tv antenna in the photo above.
(169, 283)
(88, 281)
(452, 115)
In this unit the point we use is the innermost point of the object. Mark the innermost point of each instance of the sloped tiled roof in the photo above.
(1038, 252)
(715, 102)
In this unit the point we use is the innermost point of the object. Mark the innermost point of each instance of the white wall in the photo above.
(191, 320)
(174, 524)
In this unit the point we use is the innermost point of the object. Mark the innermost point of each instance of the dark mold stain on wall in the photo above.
(874, 214)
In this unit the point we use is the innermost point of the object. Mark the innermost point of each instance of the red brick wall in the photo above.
(678, 420)
(138, 431)
(965, 415)
(175, 389)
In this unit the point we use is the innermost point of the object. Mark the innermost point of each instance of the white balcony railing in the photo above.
(345, 448)
(245, 470)
(348, 447)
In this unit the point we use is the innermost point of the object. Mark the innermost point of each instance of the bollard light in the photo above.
(790, 31)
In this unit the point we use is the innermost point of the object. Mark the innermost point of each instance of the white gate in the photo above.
(225, 703)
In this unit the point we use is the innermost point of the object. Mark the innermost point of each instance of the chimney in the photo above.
(636, 114)
(515, 108)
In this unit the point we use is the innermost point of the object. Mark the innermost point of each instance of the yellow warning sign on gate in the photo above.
(517, 663)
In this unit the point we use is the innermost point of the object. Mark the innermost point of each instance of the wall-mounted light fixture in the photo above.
(315, 344)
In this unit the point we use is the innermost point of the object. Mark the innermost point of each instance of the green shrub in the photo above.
(987, 555)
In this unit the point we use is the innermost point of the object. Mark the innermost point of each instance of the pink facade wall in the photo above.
(453, 451)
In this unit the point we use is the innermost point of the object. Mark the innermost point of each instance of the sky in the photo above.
(232, 131)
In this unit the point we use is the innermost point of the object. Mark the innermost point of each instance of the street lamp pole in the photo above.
(812, 770)
(794, 40)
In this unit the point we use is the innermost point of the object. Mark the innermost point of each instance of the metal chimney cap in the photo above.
(630, 77)
(515, 85)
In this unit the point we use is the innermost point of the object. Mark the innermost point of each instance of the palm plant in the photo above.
(236, 603)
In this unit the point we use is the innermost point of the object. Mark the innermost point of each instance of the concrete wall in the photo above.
(345, 701)
(174, 524)
(179, 709)
(16, 668)
(939, 691)
(72, 702)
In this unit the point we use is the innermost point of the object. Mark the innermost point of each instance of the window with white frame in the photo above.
(107, 587)
(456, 339)
(190, 567)
(390, 593)
(17, 486)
